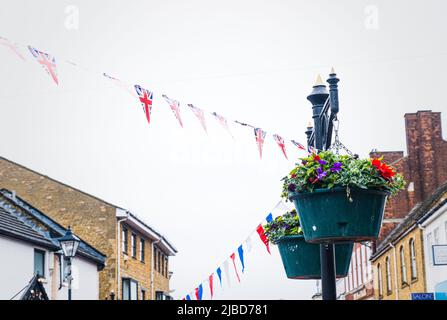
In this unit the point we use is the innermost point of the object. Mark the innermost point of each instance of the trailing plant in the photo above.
(286, 225)
(329, 170)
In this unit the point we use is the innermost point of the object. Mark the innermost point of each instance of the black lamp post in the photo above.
(325, 109)
(69, 244)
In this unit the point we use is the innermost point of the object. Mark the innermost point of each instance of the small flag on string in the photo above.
(280, 141)
(260, 231)
(145, 97)
(248, 244)
(219, 274)
(117, 82)
(188, 297)
(199, 292)
(223, 121)
(210, 281)
(12, 46)
(260, 136)
(227, 272)
(47, 61)
(240, 250)
(175, 107)
(269, 217)
(233, 257)
(200, 115)
(299, 145)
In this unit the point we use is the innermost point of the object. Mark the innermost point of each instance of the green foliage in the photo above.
(285, 225)
(329, 170)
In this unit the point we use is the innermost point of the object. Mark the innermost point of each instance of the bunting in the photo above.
(199, 292)
(233, 257)
(269, 217)
(210, 281)
(219, 274)
(299, 145)
(117, 82)
(223, 121)
(175, 107)
(227, 272)
(145, 96)
(200, 114)
(240, 251)
(260, 136)
(188, 297)
(280, 141)
(12, 46)
(260, 231)
(47, 61)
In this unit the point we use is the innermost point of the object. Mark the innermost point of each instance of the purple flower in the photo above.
(322, 162)
(321, 174)
(336, 167)
(291, 187)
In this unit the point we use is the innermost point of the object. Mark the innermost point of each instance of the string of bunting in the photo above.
(237, 259)
(146, 98)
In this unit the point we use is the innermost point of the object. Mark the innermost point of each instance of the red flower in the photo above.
(293, 175)
(385, 171)
(317, 157)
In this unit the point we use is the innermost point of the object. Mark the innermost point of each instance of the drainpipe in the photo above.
(395, 271)
(152, 267)
(118, 259)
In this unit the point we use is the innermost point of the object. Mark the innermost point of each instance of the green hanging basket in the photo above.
(301, 260)
(334, 215)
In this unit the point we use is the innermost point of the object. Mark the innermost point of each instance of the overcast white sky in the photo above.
(253, 61)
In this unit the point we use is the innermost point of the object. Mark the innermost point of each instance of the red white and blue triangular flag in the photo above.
(200, 114)
(199, 292)
(248, 244)
(280, 141)
(240, 251)
(210, 281)
(145, 96)
(12, 46)
(260, 136)
(226, 268)
(219, 274)
(263, 237)
(269, 217)
(47, 61)
(175, 107)
(119, 83)
(299, 145)
(223, 121)
(233, 257)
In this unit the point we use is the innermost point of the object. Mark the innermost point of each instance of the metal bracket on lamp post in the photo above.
(325, 109)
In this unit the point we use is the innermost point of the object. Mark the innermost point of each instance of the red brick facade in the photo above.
(424, 167)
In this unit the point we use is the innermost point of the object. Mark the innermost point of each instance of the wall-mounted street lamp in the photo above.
(69, 244)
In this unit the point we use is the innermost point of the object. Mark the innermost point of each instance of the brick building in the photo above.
(137, 263)
(425, 169)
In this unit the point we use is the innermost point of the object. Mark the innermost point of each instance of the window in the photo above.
(133, 244)
(436, 235)
(130, 289)
(124, 240)
(379, 276)
(159, 260)
(403, 268)
(359, 267)
(414, 273)
(166, 266)
(429, 246)
(141, 249)
(388, 276)
(39, 262)
(159, 295)
(143, 294)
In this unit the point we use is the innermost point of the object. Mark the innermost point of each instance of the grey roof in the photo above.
(20, 220)
(420, 212)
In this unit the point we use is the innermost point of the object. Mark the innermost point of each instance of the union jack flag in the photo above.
(12, 46)
(280, 141)
(145, 97)
(175, 107)
(260, 136)
(120, 84)
(223, 122)
(47, 61)
(200, 115)
(299, 145)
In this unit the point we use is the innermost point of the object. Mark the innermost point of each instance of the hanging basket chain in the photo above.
(337, 145)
